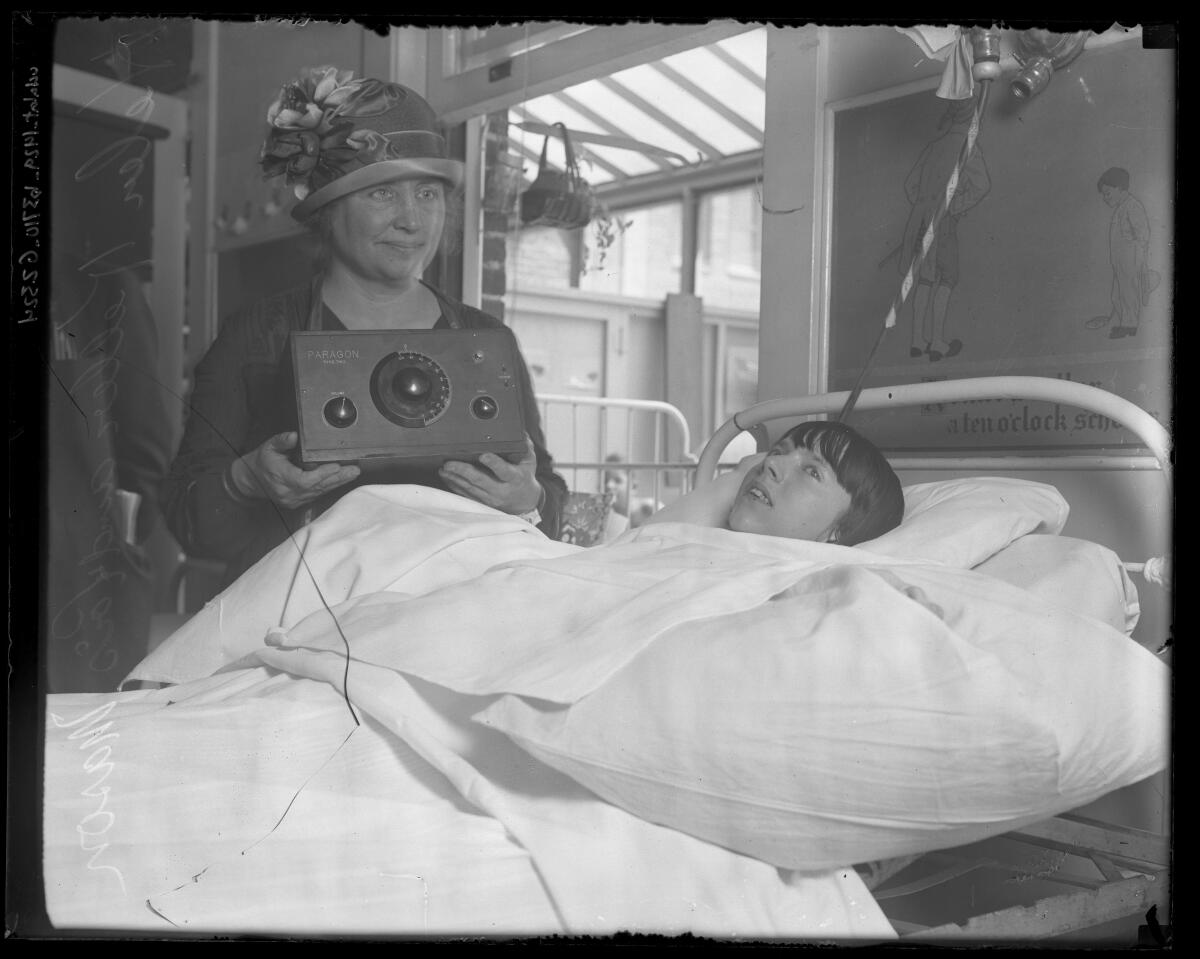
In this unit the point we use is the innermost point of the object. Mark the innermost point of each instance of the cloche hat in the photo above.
(332, 135)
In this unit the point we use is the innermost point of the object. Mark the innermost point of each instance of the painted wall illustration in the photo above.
(1129, 249)
(1048, 263)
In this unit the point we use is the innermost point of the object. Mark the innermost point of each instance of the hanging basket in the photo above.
(558, 198)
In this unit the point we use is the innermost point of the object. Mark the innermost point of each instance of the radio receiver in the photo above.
(415, 398)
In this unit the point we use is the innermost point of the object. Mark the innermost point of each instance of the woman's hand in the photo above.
(509, 487)
(269, 473)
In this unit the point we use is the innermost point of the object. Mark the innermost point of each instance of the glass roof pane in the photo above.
(629, 118)
(750, 48)
(723, 83)
(633, 164)
(550, 109)
(677, 102)
(673, 118)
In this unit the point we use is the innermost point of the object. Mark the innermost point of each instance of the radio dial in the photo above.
(411, 389)
(484, 407)
(340, 412)
(412, 383)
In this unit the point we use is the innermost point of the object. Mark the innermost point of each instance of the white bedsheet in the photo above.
(160, 816)
(165, 811)
(443, 605)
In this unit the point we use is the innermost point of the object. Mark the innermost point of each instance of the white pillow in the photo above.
(962, 522)
(905, 709)
(958, 522)
(1074, 573)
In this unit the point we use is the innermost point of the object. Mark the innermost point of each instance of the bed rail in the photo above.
(1149, 430)
(650, 439)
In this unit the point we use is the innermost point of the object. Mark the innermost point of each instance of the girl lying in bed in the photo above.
(821, 481)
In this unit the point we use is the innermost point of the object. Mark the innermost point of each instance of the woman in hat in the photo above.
(374, 183)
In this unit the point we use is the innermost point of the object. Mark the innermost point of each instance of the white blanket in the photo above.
(403, 539)
(381, 544)
(238, 804)
(911, 706)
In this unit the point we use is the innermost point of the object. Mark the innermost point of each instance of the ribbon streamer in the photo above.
(914, 268)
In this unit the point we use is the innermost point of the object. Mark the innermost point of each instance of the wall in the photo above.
(864, 59)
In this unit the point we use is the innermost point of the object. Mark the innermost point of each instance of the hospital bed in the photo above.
(320, 787)
(1074, 873)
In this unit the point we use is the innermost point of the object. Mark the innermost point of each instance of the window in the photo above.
(728, 248)
(643, 260)
(541, 258)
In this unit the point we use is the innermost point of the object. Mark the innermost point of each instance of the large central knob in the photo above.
(412, 383)
(410, 389)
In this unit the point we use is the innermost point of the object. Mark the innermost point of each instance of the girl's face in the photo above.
(794, 493)
(389, 233)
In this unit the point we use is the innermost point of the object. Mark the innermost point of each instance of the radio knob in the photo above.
(484, 407)
(340, 412)
(412, 383)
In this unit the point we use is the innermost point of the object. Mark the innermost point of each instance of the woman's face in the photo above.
(794, 492)
(389, 233)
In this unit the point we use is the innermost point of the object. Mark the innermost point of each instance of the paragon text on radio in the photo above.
(331, 354)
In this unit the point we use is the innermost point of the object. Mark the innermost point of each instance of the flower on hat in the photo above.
(370, 144)
(312, 99)
(312, 140)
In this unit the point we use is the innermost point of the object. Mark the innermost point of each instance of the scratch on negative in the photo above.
(150, 906)
(194, 879)
(424, 892)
